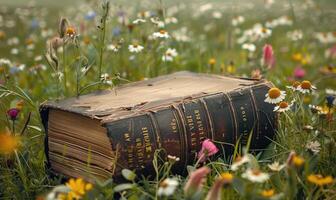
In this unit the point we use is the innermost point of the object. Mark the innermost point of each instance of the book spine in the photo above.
(180, 129)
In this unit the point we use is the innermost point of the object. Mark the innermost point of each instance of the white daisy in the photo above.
(167, 187)
(283, 106)
(239, 161)
(161, 34)
(157, 22)
(113, 48)
(275, 166)
(4, 61)
(135, 48)
(306, 87)
(255, 175)
(294, 86)
(169, 55)
(275, 95)
(237, 20)
(314, 146)
(249, 46)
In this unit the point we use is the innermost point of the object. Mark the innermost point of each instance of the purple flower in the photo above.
(13, 113)
(330, 100)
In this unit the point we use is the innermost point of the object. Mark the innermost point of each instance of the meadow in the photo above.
(53, 50)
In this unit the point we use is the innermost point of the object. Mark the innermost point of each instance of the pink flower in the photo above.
(208, 149)
(13, 113)
(299, 72)
(268, 56)
(195, 181)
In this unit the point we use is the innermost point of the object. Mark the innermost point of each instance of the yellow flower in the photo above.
(212, 61)
(298, 161)
(227, 177)
(297, 57)
(267, 193)
(78, 188)
(8, 143)
(319, 180)
(70, 31)
(231, 69)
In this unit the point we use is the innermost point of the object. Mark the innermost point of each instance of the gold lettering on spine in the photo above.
(199, 124)
(130, 159)
(193, 135)
(148, 146)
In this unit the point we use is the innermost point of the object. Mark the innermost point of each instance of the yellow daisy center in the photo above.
(164, 184)
(296, 84)
(256, 172)
(70, 31)
(298, 161)
(283, 104)
(162, 31)
(274, 93)
(306, 85)
(227, 176)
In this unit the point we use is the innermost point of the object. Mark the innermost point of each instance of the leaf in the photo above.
(122, 187)
(128, 174)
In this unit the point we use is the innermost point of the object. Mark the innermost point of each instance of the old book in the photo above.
(101, 133)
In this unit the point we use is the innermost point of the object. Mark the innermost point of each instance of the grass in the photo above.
(206, 41)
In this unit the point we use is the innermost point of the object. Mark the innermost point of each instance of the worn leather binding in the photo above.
(177, 124)
(180, 129)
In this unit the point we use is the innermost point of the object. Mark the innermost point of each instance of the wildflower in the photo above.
(249, 46)
(78, 188)
(144, 14)
(13, 113)
(4, 61)
(212, 61)
(275, 166)
(308, 128)
(330, 101)
(268, 56)
(295, 35)
(112, 47)
(8, 143)
(294, 86)
(314, 146)
(237, 20)
(208, 149)
(306, 87)
(319, 180)
(315, 109)
(239, 161)
(161, 34)
(299, 72)
(275, 95)
(70, 32)
(255, 175)
(268, 193)
(135, 48)
(19, 105)
(227, 177)
(138, 21)
(167, 187)
(283, 106)
(157, 22)
(297, 57)
(90, 15)
(169, 55)
(195, 181)
(295, 160)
